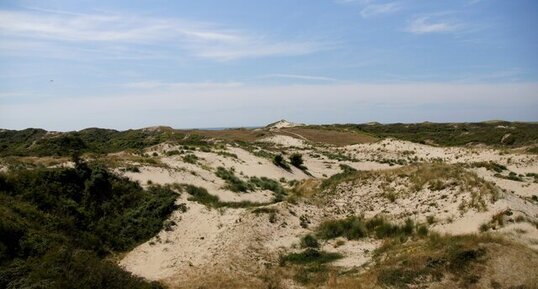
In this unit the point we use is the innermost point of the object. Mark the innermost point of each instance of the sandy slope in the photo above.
(241, 243)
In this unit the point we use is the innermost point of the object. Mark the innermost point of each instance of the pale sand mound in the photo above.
(205, 241)
(282, 124)
(284, 140)
(193, 242)
(356, 253)
(251, 165)
(207, 245)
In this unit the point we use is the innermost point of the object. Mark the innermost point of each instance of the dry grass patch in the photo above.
(240, 134)
(414, 178)
(469, 261)
(12, 162)
(328, 136)
(304, 189)
(227, 280)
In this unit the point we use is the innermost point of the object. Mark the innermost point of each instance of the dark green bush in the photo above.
(309, 241)
(296, 160)
(190, 158)
(57, 224)
(279, 161)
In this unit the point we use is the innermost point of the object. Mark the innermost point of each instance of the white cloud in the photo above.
(473, 2)
(201, 39)
(425, 25)
(256, 49)
(200, 85)
(380, 9)
(300, 77)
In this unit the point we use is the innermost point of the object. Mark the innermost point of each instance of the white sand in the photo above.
(238, 241)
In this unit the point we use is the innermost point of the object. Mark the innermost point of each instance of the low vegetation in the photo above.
(296, 160)
(354, 228)
(330, 135)
(498, 133)
(58, 225)
(202, 196)
(309, 256)
(491, 166)
(433, 176)
(235, 184)
(264, 183)
(279, 161)
(38, 142)
(457, 261)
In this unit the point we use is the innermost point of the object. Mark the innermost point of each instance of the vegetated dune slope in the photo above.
(357, 212)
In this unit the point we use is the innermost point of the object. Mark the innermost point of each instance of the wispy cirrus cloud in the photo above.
(100, 31)
(194, 85)
(371, 10)
(300, 77)
(429, 24)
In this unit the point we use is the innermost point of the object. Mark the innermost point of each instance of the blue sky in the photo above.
(67, 65)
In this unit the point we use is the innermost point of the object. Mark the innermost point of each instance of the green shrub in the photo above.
(279, 161)
(296, 160)
(56, 225)
(309, 241)
(190, 158)
(132, 169)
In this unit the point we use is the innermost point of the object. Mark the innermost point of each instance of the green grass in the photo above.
(354, 228)
(233, 183)
(202, 196)
(264, 183)
(309, 256)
